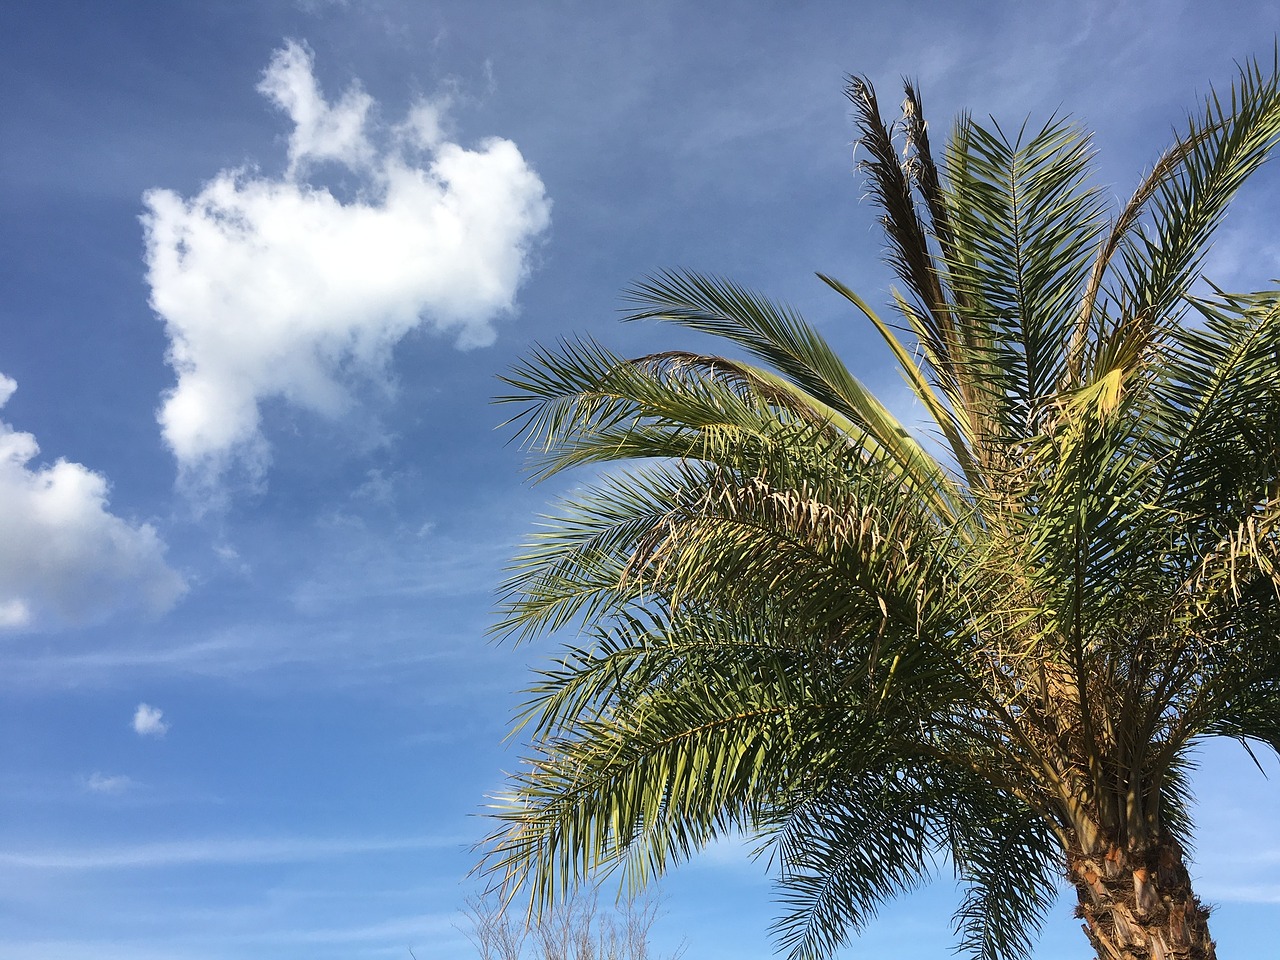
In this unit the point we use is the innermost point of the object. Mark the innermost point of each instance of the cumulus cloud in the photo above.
(277, 289)
(64, 557)
(148, 721)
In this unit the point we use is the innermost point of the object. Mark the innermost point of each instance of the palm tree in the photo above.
(992, 648)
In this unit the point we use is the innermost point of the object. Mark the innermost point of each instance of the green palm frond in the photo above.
(1025, 225)
(665, 758)
(779, 337)
(1008, 861)
(1222, 146)
(1217, 412)
(952, 420)
(847, 851)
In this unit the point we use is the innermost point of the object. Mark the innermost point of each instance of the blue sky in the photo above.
(260, 263)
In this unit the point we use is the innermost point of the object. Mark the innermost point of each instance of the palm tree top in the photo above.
(880, 656)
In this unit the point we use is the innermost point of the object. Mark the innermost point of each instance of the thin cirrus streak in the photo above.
(218, 851)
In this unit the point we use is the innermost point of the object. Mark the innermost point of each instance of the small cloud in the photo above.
(14, 613)
(423, 127)
(230, 558)
(114, 784)
(377, 488)
(148, 721)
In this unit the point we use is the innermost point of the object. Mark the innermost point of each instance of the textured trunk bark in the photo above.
(1141, 907)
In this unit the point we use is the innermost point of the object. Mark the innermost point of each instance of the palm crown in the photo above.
(993, 649)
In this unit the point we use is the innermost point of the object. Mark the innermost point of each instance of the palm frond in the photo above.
(1025, 224)
(1007, 858)
(890, 187)
(847, 851)
(1189, 193)
(1220, 408)
(776, 335)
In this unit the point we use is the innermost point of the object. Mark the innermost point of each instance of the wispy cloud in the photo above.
(148, 721)
(387, 938)
(220, 655)
(113, 784)
(1233, 867)
(277, 288)
(95, 949)
(418, 565)
(422, 927)
(334, 648)
(219, 851)
(1268, 892)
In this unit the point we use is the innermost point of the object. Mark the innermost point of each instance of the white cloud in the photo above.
(110, 784)
(278, 289)
(63, 556)
(148, 721)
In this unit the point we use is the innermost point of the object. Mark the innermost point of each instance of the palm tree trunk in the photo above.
(1141, 907)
